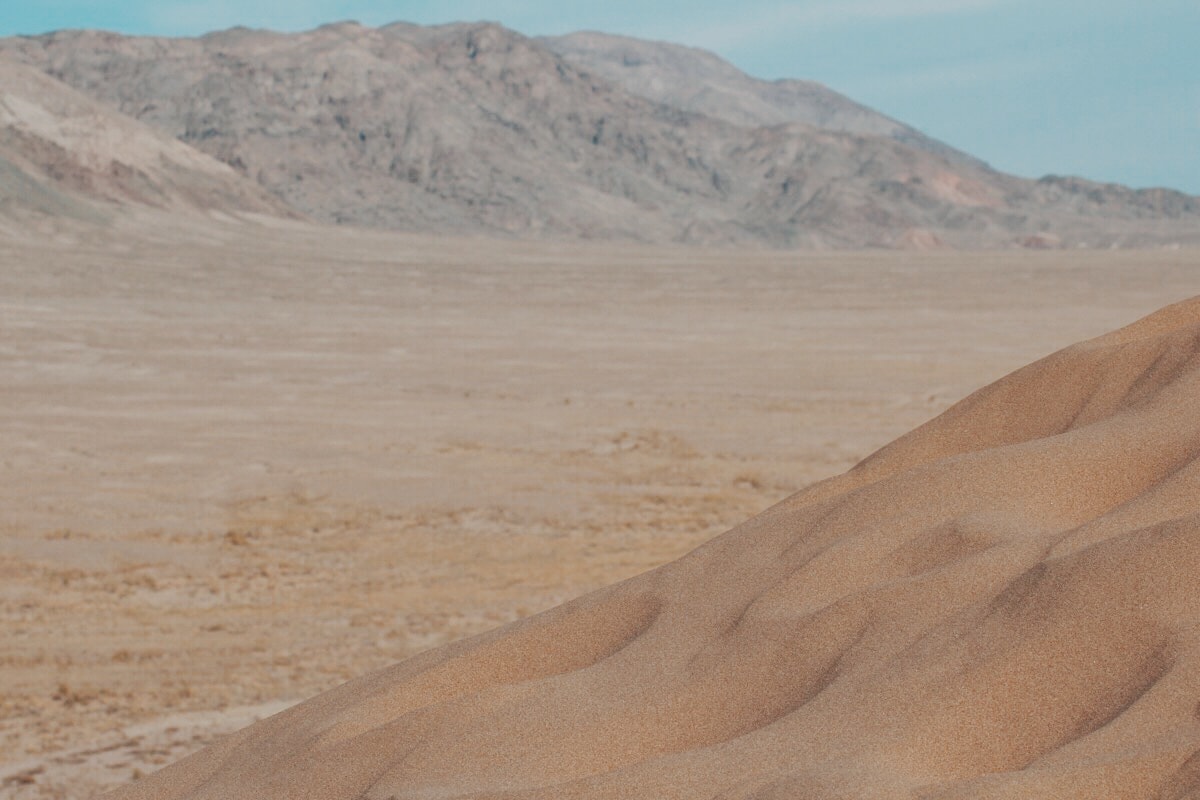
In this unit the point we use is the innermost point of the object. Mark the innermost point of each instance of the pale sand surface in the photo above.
(1000, 604)
(240, 466)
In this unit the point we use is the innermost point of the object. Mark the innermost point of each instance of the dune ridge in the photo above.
(1000, 604)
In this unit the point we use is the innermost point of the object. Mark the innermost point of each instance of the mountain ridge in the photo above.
(698, 80)
(470, 128)
(64, 154)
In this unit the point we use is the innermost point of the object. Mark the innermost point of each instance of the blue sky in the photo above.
(1107, 89)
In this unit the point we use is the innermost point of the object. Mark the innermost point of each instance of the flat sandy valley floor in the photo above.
(241, 464)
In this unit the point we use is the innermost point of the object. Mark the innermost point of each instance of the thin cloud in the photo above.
(965, 74)
(788, 19)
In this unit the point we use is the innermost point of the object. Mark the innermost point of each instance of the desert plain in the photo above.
(244, 461)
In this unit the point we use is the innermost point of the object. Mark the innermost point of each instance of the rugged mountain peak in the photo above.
(701, 81)
(474, 128)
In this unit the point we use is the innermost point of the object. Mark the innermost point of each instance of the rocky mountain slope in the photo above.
(66, 155)
(472, 128)
(696, 80)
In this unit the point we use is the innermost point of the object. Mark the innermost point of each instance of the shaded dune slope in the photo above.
(1004, 603)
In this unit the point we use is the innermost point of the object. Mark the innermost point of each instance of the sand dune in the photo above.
(1000, 604)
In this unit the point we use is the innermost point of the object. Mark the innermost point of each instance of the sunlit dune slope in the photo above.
(1004, 603)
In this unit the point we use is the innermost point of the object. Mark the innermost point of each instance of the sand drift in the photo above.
(1000, 604)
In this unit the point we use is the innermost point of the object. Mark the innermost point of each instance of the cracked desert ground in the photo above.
(242, 463)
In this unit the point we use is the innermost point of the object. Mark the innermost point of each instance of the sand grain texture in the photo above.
(1000, 604)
